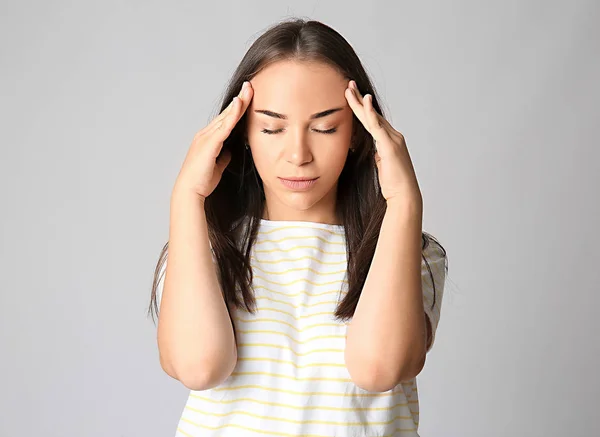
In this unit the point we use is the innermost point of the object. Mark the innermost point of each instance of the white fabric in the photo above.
(290, 379)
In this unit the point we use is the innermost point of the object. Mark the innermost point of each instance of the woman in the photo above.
(300, 296)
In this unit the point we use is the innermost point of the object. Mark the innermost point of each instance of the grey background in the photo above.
(497, 101)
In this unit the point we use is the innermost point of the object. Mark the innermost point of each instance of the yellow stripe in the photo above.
(293, 378)
(285, 284)
(260, 431)
(296, 407)
(300, 247)
(397, 430)
(305, 305)
(318, 337)
(292, 392)
(277, 346)
(301, 237)
(283, 293)
(293, 363)
(300, 422)
(183, 432)
(278, 433)
(300, 259)
(323, 313)
(317, 325)
(300, 227)
(299, 269)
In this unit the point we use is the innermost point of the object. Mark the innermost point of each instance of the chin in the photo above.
(301, 201)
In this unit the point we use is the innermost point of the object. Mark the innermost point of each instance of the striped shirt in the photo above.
(290, 378)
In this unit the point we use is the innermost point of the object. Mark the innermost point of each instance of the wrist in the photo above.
(186, 194)
(412, 204)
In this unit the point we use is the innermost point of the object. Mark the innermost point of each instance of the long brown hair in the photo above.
(239, 196)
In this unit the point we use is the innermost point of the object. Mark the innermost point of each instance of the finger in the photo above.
(356, 106)
(219, 131)
(361, 98)
(356, 90)
(230, 115)
(210, 127)
(238, 110)
(386, 124)
(223, 127)
(374, 120)
(391, 131)
(354, 87)
(227, 110)
(246, 96)
(219, 121)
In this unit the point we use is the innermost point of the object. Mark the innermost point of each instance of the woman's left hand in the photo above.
(396, 173)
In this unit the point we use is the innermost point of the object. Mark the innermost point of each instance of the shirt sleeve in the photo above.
(433, 279)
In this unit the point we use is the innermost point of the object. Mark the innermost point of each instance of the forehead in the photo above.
(298, 88)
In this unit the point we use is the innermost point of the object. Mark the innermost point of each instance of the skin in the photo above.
(387, 337)
(299, 90)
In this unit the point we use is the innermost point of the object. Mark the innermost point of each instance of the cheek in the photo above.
(332, 155)
(335, 151)
(263, 158)
(259, 147)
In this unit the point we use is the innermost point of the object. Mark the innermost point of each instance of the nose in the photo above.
(297, 151)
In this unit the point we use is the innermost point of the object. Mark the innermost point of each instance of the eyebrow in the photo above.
(284, 117)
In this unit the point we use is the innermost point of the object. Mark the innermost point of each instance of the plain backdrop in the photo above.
(499, 104)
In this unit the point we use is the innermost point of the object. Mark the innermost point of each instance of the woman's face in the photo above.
(310, 101)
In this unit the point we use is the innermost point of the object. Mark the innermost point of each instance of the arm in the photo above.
(195, 335)
(387, 337)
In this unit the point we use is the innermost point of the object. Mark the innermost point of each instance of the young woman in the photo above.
(300, 296)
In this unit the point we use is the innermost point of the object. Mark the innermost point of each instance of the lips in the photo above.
(298, 178)
(298, 183)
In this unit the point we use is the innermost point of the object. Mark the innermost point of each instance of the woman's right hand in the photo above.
(201, 171)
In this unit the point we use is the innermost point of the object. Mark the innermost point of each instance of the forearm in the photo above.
(195, 335)
(387, 336)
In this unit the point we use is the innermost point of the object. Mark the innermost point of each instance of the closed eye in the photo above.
(271, 132)
(328, 131)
